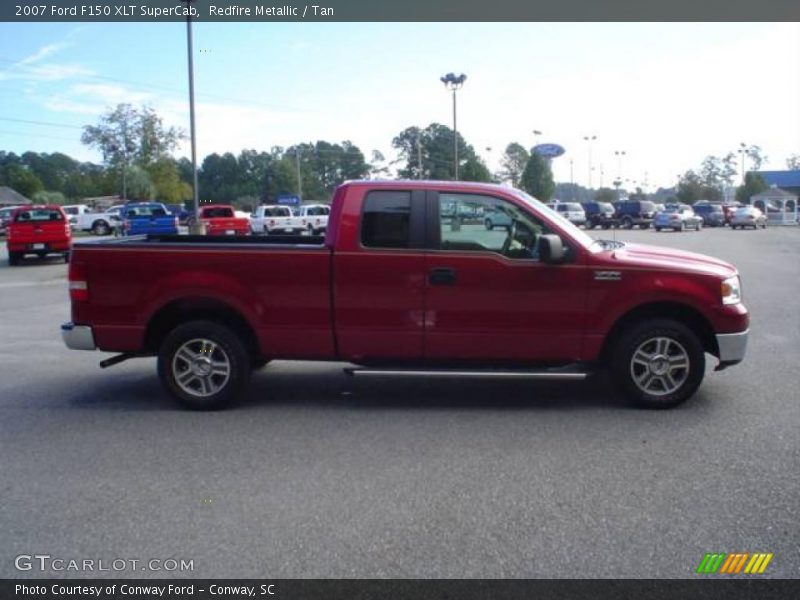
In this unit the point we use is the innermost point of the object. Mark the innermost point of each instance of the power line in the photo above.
(37, 135)
(34, 68)
(49, 123)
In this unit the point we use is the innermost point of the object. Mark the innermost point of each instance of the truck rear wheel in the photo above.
(14, 258)
(658, 363)
(203, 365)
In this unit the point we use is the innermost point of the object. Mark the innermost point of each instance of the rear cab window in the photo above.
(386, 220)
(38, 215)
(217, 213)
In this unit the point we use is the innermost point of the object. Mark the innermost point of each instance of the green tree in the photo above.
(537, 179)
(140, 187)
(435, 145)
(793, 162)
(694, 187)
(23, 180)
(474, 169)
(515, 159)
(605, 194)
(753, 184)
(166, 179)
(128, 136)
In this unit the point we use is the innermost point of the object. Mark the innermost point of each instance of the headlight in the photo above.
(731, 290)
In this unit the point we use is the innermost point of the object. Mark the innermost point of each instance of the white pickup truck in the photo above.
(99, 223)
(313, 218)
(273, 218)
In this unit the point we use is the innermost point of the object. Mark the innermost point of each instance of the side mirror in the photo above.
(551, 249)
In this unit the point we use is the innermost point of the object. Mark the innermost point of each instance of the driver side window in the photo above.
(478, 223)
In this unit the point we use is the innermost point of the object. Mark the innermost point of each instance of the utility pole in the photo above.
(299, 174)
(197, 227)
(419, 154)
(589, 139)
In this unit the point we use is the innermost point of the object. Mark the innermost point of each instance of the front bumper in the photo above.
(732, 348)
(78, 337)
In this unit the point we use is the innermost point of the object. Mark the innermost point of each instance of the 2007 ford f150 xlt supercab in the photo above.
(401, 286)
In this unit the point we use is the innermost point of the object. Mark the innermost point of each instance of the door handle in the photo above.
(442, 276)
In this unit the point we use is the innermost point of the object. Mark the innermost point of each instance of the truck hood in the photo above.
(659, 257)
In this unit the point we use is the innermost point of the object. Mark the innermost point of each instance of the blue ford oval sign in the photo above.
(549, 150)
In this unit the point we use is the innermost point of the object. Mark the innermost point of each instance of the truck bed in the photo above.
(281, 286)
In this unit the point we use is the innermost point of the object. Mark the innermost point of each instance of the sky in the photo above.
(668, 94)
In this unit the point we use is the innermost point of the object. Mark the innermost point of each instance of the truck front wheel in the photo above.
(203, 365)
(658, 363)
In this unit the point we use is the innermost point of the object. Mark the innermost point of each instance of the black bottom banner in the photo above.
(417, 589)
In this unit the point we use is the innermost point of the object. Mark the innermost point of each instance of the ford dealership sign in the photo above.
(549, 150)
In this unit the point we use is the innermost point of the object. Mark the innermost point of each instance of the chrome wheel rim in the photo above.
(660, 366)
(201, 368)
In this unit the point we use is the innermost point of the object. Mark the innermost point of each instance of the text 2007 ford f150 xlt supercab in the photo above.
(408, 280)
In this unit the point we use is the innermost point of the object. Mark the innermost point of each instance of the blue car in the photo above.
(148, 217)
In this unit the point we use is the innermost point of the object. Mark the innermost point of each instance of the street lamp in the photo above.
(589, 139)
(536, 134)
(454, 83)
(197, 227)
(742, 152)
(619, 154)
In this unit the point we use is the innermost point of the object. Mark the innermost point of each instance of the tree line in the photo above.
(138, 163)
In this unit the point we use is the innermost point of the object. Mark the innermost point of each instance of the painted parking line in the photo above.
(20, 284)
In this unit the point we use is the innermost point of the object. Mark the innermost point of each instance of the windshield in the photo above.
(578, 235)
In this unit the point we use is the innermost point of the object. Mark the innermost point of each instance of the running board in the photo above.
(552, 374)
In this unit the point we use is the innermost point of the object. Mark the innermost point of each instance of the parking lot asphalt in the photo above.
(318, 475)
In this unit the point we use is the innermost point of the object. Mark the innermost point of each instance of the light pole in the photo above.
(742, 152)
(197, 227)
(299, 174)
(419, 154)
(454, 83)
(536, 134)
(589, 139)
(619, 154)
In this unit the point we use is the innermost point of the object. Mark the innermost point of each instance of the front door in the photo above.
(489, 297)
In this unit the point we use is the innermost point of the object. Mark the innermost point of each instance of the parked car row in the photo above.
(277, 219)
(644, 214)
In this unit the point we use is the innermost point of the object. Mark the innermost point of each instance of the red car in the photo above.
(220, 219)
(39, 230)
(399, 288)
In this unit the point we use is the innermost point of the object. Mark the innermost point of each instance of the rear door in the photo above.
(489, 298)
(379, 281)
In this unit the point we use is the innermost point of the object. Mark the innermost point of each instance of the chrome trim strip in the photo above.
(472, 374)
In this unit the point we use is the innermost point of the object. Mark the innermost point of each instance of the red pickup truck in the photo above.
(408, 281)
(221, 219)
(39, 230)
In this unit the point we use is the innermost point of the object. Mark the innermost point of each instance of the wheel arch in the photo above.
(183, 310)
(676, 311)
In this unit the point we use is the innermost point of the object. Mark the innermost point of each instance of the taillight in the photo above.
(78, 283)
(176, 222)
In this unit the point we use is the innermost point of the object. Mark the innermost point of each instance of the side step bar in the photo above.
(552, 374)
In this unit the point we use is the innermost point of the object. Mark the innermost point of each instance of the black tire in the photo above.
(489, 225)
(627, 223)
(14, 259)
(658, 229)
(66, 257)
(101, 228)
(641, 336)
(606, 226)
(682, 227)
(228, 346)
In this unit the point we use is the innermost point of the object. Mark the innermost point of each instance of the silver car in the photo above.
(678, 217)
(748, 216)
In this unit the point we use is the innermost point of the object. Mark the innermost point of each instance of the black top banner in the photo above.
(406, 10)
